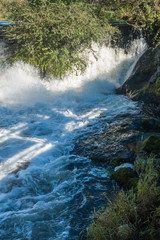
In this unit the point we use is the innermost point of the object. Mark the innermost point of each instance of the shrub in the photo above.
(131, 214)
(142, 14)
(52, 35)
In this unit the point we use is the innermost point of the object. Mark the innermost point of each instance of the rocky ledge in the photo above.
(116, 147)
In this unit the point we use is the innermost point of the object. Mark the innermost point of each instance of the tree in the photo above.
(53, 35)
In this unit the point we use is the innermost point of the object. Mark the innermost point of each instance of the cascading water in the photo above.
(47, 192)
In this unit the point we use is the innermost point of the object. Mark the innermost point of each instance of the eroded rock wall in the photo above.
(144, 82)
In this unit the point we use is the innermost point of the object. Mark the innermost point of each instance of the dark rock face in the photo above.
(144, 82)
(109, 144)
(145, 73)
(117, 143)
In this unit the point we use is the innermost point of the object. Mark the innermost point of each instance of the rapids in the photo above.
(46, 191)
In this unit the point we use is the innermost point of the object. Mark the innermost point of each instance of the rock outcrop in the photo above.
(144, 82)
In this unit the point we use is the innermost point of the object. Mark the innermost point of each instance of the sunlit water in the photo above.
(46, 192)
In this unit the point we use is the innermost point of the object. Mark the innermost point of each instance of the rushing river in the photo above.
(45, 191)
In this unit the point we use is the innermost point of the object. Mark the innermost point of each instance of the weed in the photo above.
(132, 214)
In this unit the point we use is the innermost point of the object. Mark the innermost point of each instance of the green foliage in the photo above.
(132, 215)
(142, 14)
(53, 35)
(154, 89)
(152, 145)
(125, 177)
(35, 3)
(158, 85)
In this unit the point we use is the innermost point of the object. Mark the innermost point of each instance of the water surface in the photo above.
(47, 192)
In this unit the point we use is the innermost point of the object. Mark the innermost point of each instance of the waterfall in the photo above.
(47, 192)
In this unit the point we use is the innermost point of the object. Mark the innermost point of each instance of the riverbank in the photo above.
(133, 214)
(119, 146)
(59, 136)
(132, 141)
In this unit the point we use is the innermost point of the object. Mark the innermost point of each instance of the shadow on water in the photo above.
(4, 147)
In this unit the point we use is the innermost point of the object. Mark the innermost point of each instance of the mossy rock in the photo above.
(152, 145)
(125, 177)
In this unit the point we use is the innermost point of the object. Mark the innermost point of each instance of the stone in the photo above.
(124, 165)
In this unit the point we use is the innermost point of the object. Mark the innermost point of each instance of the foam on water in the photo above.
(46, 192)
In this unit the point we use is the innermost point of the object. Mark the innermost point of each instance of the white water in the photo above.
(46, 192)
